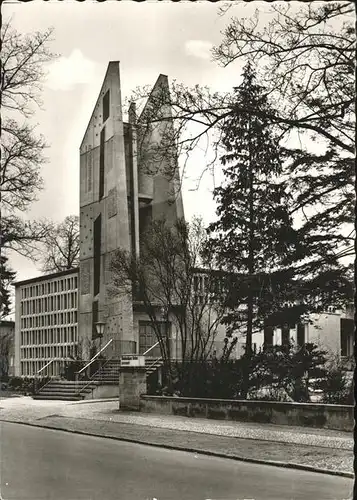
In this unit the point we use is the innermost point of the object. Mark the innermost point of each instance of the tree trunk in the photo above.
(250, 297)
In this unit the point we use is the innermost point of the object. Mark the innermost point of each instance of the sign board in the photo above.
(132, 360)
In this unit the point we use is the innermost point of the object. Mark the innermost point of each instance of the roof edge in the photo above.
(45, 277)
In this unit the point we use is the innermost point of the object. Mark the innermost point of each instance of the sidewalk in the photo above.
(300, 447)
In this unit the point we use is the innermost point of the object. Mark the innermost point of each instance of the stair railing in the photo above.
(43, 368)
(92, 360)
(46, 365)
(91, 381)
(157, 361)
(150, 348)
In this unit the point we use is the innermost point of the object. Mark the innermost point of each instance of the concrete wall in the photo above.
(339, 417)
(154, 179)
(325, 331)
(103, 391)
(129, 183)
(113, 207)
(132, 383)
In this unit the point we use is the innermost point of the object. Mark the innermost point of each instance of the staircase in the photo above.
(76, 391)
(65, 390)
(152, 364)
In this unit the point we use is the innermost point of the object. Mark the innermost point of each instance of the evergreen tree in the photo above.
(253, 236)
(7, 276)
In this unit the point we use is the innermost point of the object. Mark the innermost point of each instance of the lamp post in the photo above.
(100, 332)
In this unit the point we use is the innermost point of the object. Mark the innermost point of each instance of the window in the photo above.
(147, 336)
(285, 335)
(97, 230)
(101, 164)
(106, 106)
(300, 334)
(347, 335)
(268, 335)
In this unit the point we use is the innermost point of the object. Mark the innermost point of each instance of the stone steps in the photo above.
(65, 390)
(76, 391)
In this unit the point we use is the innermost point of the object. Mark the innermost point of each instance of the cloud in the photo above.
(66, 72)
(199, 48)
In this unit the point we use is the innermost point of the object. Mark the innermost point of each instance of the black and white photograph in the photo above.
(177, 250)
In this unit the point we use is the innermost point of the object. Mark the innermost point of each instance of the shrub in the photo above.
(282, 372)
(336, 386)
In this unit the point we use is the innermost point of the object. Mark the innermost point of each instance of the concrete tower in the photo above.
(119, 195)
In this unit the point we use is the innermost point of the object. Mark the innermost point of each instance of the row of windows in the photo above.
(50, 336)
(45, 304)
(47, 352)
(31, 368)
(55, 319)
(55, 286)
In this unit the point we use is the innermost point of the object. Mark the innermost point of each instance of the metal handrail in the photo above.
(91, 381)
(150, 348)
(95, 357)
(47, 364)
(154, 363)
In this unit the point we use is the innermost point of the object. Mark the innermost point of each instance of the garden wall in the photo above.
(338, 417)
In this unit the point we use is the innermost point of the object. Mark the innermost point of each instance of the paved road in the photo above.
(45, 464)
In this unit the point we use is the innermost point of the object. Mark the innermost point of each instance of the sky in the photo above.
(148, 39)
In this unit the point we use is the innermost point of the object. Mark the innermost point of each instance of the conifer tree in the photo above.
(7, 276)
(253, 236)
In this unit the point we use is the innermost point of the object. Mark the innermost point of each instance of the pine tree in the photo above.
(7, 275)
(253, 236)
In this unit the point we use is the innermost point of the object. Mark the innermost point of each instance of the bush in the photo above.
(26, 385)
(282, 373)
(336, 387)
(279, 373)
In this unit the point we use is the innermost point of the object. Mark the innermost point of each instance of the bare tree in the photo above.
(23, 59)
(306, 62)
(61, 246)
(174, 281)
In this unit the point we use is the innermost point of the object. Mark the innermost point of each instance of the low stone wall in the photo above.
(103, 391)
(338, 417)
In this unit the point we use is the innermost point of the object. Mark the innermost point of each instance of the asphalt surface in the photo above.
(311, 449)
(39, 464)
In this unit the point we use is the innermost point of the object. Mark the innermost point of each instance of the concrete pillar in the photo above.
(132, 383)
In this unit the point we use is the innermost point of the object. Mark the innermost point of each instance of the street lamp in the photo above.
(100, 332)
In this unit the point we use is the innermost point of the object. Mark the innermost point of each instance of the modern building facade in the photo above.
(46, 321)
(332, 331)
(121, 192)
(124, 186)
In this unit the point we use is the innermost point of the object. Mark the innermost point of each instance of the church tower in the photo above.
(119, 195)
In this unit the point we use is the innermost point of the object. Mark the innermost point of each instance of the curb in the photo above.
(273, 463)
(88, 401)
